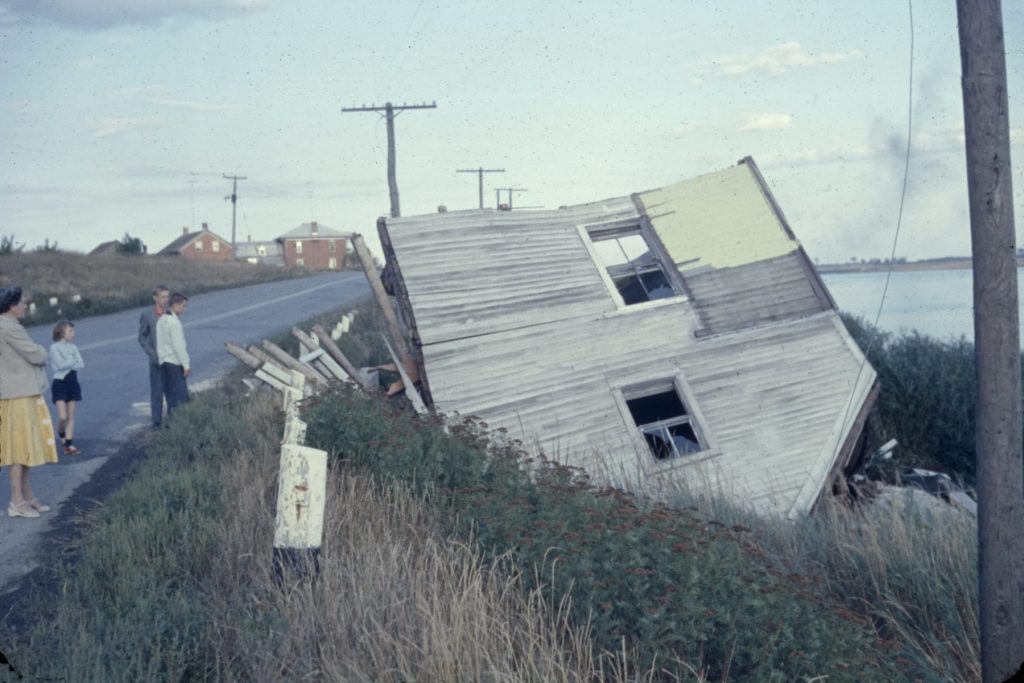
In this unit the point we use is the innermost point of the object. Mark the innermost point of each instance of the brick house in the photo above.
(202, 245)
(314, 246)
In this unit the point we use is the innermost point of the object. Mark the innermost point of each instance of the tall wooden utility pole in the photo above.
(234, 202)
(1000, 463)
(480, 172)
(389, 113)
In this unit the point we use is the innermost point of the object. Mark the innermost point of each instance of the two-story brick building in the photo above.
(202, 245)
(314, 246)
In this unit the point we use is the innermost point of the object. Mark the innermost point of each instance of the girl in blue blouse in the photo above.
(65, 361)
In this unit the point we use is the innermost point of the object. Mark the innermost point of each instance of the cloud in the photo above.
(776, 60)
(191, 105)
(116, 125)
(101, 14)
(767, 122)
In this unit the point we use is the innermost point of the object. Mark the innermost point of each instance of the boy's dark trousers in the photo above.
(175, 385)
(156, 393)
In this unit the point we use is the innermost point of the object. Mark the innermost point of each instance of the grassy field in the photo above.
(449, 554)
(113, 282)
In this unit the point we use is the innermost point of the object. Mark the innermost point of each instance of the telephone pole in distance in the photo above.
(510, 190)
(234, 202)
(389, 113)
(480, 172)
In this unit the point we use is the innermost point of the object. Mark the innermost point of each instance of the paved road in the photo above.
(115, 382)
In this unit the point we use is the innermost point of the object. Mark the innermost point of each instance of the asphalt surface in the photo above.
(115, 389)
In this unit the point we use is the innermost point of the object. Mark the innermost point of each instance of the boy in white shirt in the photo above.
(173, 352)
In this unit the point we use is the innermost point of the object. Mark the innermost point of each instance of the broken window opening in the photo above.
(631, 264)
(667, 426)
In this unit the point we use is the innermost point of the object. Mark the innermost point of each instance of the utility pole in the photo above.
(510, 190)
(480, 172)
(389, 113)
(234, 201)
(192, 182)
(997, 340)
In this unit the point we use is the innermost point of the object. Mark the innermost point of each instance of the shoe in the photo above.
(22, 509)
(38, 507)
(71, 450)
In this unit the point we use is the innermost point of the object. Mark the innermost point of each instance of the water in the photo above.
(937, 303)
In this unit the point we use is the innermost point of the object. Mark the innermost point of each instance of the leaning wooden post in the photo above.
(382, 299)
(301, 495)
(328, 345)
(997, 341)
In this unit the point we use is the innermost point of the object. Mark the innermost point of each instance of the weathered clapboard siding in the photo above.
(728, 299)
(518, 327)
(477, 272)
(766, 406)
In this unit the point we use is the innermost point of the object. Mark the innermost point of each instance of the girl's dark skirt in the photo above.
(66, 389)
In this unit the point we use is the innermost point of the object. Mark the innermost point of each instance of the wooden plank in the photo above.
(330, 367)
(243, 355)
(382, 300)
(335, 353)
(410, 390)
(311, 356)
(271, 380)
(306, 341)
(283, 358)
(267, 359)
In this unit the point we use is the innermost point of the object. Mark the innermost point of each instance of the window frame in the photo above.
(624, 228)
(629, 390)
(215, 246)
(298, 246)
(300, 262)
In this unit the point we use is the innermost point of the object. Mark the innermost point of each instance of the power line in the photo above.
(480, 173)
(389, 113)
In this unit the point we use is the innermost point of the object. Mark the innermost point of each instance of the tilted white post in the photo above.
(301, 494)
(299, 525)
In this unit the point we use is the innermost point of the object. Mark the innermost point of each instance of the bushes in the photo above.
(680, 593)
(927, 397)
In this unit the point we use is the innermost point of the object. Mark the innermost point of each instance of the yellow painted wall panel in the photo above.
(719, 220)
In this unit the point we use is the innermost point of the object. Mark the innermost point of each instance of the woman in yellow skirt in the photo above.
(26, 431)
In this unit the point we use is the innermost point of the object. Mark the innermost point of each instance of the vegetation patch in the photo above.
(115, 282)
(687, 597)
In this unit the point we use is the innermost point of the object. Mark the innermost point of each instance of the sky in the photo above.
(123, 116)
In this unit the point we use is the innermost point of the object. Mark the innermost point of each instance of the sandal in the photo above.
(38, 507)
(71, 450)
(22, 509)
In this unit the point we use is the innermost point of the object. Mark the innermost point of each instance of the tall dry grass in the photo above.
(173, 580)
(908, 562)
(395, 600)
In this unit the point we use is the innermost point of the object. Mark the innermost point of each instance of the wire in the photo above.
(899, 219)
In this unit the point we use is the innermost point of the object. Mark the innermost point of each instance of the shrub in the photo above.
(671, 587)
(130, 246)
(927, 397)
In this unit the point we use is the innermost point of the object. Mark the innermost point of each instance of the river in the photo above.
(937, 303)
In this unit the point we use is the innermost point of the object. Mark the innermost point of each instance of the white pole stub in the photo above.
(301, 492)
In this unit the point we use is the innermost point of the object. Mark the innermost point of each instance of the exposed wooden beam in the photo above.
(366, 259)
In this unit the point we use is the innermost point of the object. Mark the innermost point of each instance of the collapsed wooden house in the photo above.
(675, 333)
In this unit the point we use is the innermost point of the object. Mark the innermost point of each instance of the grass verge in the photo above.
(111, 283)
